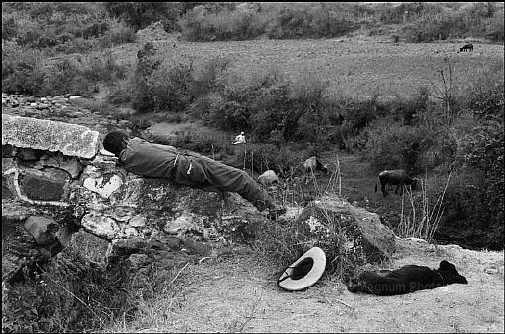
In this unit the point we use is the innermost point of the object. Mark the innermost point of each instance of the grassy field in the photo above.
(239, 294)
(357, 67)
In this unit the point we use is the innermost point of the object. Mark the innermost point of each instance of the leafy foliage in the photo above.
(139, 15)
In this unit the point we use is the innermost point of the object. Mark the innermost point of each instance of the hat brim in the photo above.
(315, 273)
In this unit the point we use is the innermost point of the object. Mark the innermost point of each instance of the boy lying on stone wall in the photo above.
(186, 168)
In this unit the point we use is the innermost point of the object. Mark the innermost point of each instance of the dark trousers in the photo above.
(196, 171)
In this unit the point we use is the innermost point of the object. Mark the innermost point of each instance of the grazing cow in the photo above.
(312, 164)
(397, 177)
(466, 47)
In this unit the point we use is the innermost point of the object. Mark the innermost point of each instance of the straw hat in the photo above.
(305, 271)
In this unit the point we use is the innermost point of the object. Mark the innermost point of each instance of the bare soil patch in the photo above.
(238, 293)
(358, 67)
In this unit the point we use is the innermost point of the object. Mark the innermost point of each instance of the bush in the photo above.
(485, 97)
(77, 45)
(161, 86)
(64, 77)
(66, 295)
(205, 23)
(170, 87)
(117, 34)
(392, 146)
(22, 69)
(309, 20)
(103, 67)
(139, 15)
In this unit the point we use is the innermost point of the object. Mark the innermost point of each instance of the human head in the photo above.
(115, 142)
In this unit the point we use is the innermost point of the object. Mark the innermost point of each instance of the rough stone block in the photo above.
(103, 227)
(8, 151)
(329, 214)
(46, 185)
(104, 186)
(70, 139)
(28, 154)
(42, 229)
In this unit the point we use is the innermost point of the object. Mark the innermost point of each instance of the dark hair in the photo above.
(114, 142)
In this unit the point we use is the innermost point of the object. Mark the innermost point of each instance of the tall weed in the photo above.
(424, 217)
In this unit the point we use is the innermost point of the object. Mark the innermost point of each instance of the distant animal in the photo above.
(406, 279)
(397, 177)
(312, 164)
(466, 47)
(268, 178)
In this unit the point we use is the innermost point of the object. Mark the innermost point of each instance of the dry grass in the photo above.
(421, 223)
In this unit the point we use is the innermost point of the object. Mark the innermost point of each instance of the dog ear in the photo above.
(461, 280)
(444, 265)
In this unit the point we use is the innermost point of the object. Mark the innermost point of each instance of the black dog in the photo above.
(407, 279)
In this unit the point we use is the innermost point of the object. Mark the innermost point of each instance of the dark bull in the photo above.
(396, 177)
(467, 47)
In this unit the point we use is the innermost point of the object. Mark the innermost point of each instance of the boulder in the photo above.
(268, 178)
(70, 139)
(330, 215)
(48, 184)
(27, 237)
(42, 229)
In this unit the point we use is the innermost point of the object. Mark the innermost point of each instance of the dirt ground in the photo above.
(238, 293)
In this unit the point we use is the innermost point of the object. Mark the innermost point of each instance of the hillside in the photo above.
(357, 66)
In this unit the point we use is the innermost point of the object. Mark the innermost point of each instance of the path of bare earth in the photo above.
(238, 293)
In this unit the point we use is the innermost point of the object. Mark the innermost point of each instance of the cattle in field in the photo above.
(312, 164)
(466, 47)
(396, 177)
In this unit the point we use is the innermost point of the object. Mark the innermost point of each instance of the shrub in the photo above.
(204, 23)
(22, 69)
(170, 87)
(117, 34)
(485, 97)
(483, 150)
(103, 67)
(77, 45)
(64, 77)
(392, 146)
(161, 86)
(139, 15)
(66, 295)
(309, 21)
(495, 29)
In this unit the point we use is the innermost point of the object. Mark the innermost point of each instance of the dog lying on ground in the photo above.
(407, 279)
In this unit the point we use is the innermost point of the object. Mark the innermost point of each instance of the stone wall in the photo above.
(57, 180)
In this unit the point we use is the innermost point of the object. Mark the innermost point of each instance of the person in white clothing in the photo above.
(240, 139)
